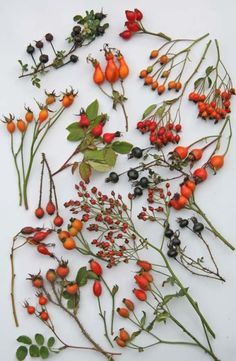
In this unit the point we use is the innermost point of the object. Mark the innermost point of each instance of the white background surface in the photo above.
(23, 21)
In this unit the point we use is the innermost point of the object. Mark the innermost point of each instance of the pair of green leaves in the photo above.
(201, 80)
(159, 111)
(37, 349)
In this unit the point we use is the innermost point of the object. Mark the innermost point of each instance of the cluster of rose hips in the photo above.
(109, 216)
(153, 81)
(97, 130)
(43, 115)
(143, 279)
(217, 108)
(113, 71)
(59, 275)
(52, 206)
(160, 135)
(67, 236)
(132, 23)
(36, 237)
(199, 175)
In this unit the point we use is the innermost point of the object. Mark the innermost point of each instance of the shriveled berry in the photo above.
(43, 58)
(132, 174)
(49, 37)
(39, 44)
(74, 58)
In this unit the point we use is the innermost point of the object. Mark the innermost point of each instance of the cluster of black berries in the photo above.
(174, 242)
(132, 174)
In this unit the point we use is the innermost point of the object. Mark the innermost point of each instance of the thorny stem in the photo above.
(66, 163)
(113, 304)
(160, 34)
(84, 332)
(13, 276)
(52, 184)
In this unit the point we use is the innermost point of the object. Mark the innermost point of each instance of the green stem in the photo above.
(180, 285)
(193, 206)
(17, 171)
(103, 316)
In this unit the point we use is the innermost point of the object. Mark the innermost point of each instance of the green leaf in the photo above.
(39, 339)
(95, 155)
(99, 167)
(75, 135)
(51, 342)
(24, 339)
(77, 17)
(81, 278)
(160, 111)
(73, 126)
(21, 353)
(149, 110)
(110, 157)
(44, 353)
(135, 334)
(92, 110)
(181, 293)
(209, 81)
(73, 302)
(197, 82)
(162, 317)
(209, 70)
(34, 351)
(122, 147)
(143, 319)
(66, 295)
(98, 119)
(92, 276)
(150, 326)
(85, 171)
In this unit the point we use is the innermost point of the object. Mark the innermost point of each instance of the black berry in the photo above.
(137, 152)
(77, 29)
(183, 223)
(74, 58)
(100, 30)
(172, 253)
(144, 182)
(169, 233)
(198, 227)
(30, 49)
(39, 44)
(176, 241)
(43, 58)
(78, 38)
(49, 37)
(132, 174)
(138, 191)
(113, 177)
